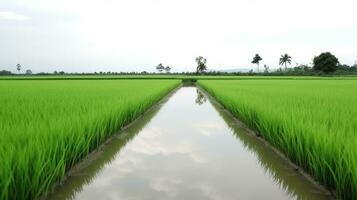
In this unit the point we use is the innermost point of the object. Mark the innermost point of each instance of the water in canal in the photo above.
(186, 148)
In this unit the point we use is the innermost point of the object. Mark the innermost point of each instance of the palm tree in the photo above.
(201, 64)
(256, 60)
(18, 67)
(160, 67)
(284, 59)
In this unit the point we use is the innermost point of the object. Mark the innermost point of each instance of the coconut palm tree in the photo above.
(284, 59)
(201, 64)
(160, 67)
(18, 67)
(256, 60)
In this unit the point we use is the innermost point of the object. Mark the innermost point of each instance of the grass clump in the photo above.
(314, 122)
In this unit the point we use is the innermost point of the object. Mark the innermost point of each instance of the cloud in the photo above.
(136, 35)
(9, 15)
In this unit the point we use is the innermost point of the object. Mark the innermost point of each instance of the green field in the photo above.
(48, 126)
(314, 122)
(168, 76)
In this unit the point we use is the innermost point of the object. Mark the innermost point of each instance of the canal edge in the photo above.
(257, 136)
(93, 155)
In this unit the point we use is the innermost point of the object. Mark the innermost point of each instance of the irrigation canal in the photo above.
(187, 147)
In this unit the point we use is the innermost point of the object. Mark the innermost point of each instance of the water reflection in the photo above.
(86, 171)
(201, 98)
(283, 174)
(186, 151)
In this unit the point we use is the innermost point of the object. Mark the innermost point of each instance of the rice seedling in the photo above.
(313, 122)
(48, 126)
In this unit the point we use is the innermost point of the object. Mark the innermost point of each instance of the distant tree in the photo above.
(62, 72)
(18, 67)
(354, 67)
(5, 72)
(256, 60)
(160, 67)
(266, 69)
(28, 72)
(167, 69)
(284, 59)
(306, 68)
(201, 64)
(343, 67)
(325, 62)
(301, 69)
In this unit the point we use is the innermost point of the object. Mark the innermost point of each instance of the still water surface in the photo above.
(186, 148)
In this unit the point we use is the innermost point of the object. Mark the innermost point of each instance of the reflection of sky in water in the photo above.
(187, 151)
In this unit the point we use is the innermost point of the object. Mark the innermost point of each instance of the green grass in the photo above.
(166, 76)
(48, 126)
(314, 122)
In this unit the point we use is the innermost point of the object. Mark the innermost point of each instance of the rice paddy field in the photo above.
(169, 76)
(48, 126)
(313, 122)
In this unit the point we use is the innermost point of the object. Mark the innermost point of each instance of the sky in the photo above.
(137, 35)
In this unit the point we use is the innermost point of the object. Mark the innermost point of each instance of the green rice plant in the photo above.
(47, 126)
(313, 122)
(171, 76)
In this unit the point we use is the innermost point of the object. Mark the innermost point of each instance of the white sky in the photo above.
(136, 35)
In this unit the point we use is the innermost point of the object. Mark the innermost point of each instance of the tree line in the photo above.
(325, 63)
